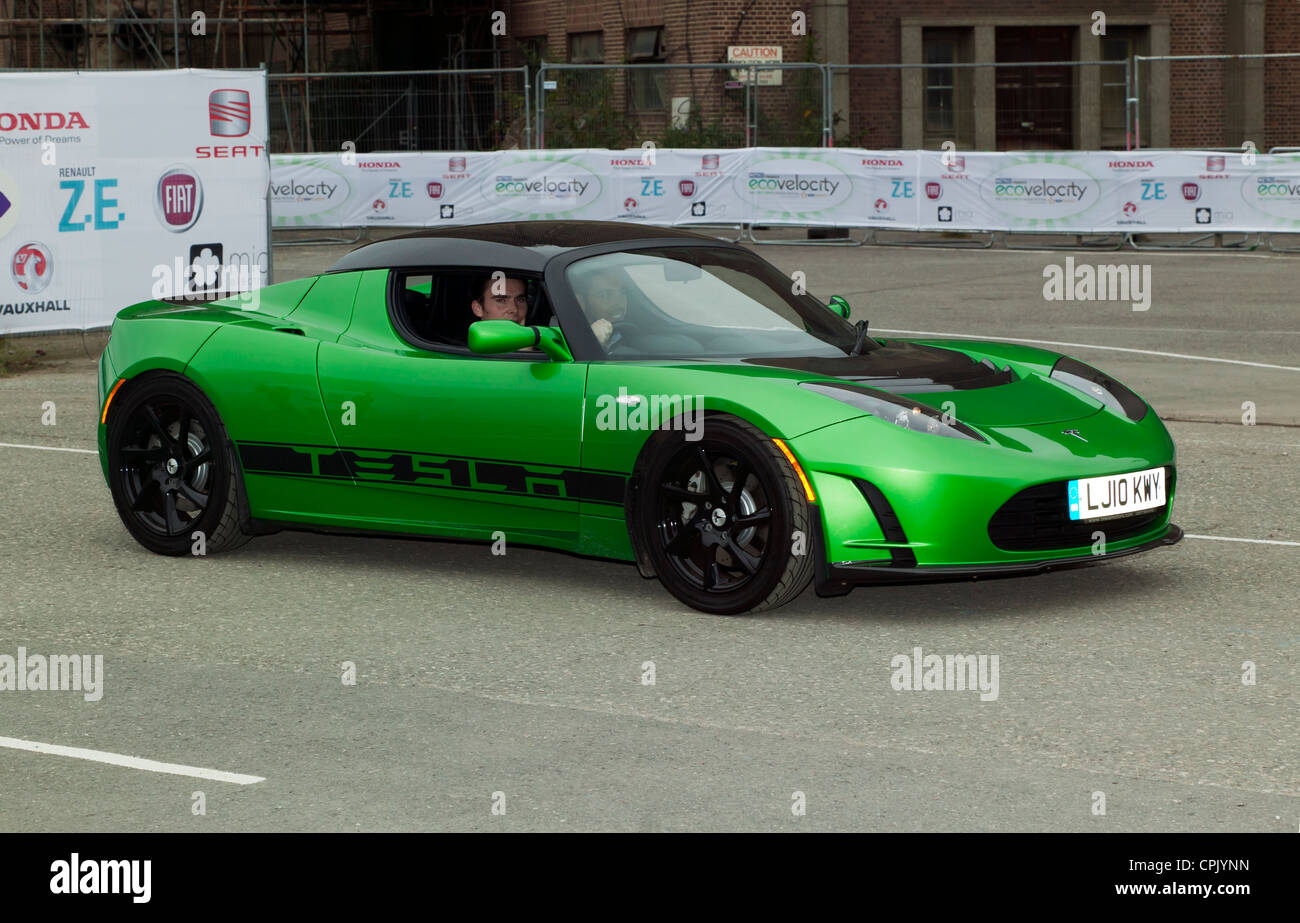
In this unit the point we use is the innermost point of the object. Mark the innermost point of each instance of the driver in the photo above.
(604, 301)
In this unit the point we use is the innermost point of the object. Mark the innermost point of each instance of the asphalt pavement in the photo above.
(515, 682)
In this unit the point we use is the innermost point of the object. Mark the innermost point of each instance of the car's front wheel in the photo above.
(172, 470)
(725, 520)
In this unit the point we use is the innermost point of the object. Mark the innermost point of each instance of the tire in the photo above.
(718, 518)
(172, 468)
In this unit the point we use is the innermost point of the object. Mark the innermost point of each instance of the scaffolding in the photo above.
(292, 36)
(309, 51)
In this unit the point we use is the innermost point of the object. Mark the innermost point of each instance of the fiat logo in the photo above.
(686, 187)
(178, 199)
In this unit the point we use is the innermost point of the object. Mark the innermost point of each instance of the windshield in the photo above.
(702, 303)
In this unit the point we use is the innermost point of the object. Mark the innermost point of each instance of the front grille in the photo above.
(1038, 519)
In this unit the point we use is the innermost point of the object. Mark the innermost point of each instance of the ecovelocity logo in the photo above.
(556, 188)
(793, 184)
(1275, 195)
(307, 191)
(1047, 191)
(1277, 187)
(551, 187)
(1040, 191)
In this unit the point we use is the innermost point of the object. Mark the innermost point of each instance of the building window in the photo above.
(947, 111)
(1120, 44)
(587, 48)
(646, 87)
(532, 49)
(940, 90)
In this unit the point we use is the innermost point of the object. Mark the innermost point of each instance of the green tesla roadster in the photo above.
(650, 395)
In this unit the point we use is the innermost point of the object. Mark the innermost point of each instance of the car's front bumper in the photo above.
(893, 499)
(836, 579)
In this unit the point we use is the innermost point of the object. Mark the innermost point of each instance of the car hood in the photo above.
(900, 367)
(982, 393)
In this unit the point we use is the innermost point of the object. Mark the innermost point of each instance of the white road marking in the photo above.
(1118, 349)
(131, 762)
(46, 448)
(1253, 541)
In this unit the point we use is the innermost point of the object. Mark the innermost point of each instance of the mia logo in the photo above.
(206, 261)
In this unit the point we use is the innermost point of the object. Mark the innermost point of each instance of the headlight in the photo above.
(1101, 386)
(897, 410)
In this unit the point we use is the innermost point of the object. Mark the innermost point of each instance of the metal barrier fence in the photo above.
(682, 105)
(1021, 105)
(451, 110)
(1218, 120)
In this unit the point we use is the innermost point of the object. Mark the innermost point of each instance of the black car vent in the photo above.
(1038, 519)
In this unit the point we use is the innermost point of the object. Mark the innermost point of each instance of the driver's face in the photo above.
(604, 297)
(505, 300)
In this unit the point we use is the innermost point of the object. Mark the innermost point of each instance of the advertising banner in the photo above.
(120, 186)
(1077, 192)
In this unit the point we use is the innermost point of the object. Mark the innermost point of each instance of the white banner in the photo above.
(118, 186)
(1031, 191)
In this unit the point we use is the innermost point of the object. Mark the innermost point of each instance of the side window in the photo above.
(433, 309)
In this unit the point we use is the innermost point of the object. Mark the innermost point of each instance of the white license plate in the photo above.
(1117, 494)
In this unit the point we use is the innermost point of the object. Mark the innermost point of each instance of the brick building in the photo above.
(1076, 100)
(1074, 105)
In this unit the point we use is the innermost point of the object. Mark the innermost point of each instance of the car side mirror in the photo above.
(840, 306)
(491, 337)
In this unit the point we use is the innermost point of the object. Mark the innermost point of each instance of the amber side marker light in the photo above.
(803, 478)
(103, 418)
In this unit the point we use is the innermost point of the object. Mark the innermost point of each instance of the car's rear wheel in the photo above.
(172, 469)
(725, 520)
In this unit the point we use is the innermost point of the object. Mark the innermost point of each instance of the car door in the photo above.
(446, 442)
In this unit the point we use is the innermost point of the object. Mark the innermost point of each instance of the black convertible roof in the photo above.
(525, 245)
